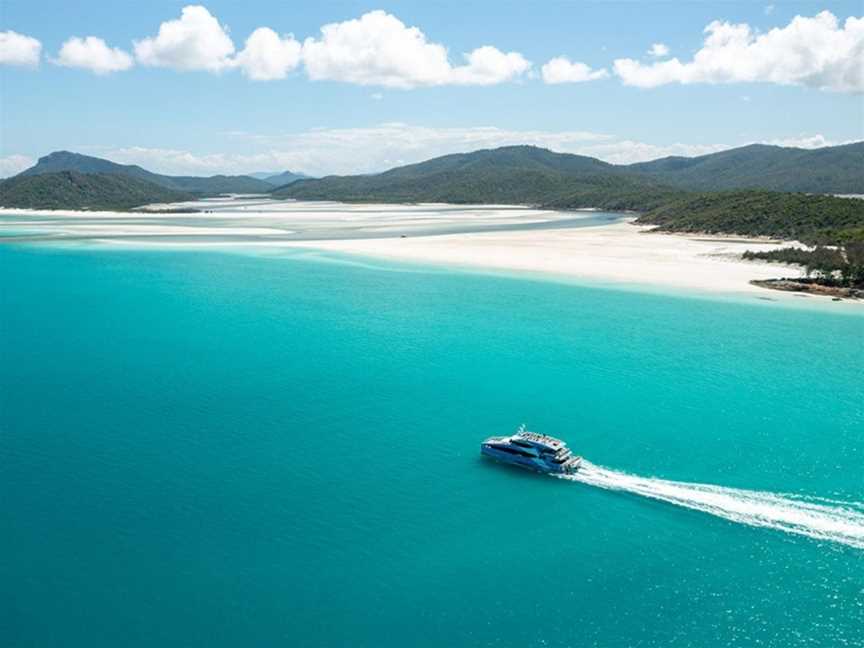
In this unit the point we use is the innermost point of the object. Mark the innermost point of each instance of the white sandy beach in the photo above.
(619, 253)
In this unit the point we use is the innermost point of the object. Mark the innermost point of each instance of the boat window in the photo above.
(514, 451)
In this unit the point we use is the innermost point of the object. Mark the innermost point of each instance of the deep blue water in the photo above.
(212, 449)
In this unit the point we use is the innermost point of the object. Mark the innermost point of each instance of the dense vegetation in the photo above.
(617, 197)
(810, 219)
(219, 184)
(836, 169)
(527, 174)
(213, 185)
(73, 190)
(842, 265)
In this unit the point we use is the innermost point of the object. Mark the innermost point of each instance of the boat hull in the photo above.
(534, 464)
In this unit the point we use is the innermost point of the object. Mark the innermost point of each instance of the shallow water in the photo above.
(215, 449)
(238, 221)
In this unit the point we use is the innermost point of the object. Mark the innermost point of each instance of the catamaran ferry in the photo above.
(533, 451)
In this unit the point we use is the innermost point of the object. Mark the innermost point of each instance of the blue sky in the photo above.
(374, 93)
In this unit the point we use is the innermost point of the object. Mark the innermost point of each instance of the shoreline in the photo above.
(622, 253)
(801, 286)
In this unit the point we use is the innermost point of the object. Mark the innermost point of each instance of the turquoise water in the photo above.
(212, 449)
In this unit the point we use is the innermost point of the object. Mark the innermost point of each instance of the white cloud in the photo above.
(627, 151)
(195, 41)
(659, 50)
(172, 161)
(809, 141)
(267, 56)
(93, 54)
(18, 49)
(379, 49)
(14, 164)
(374, 49)
(488, 65)
(814, 52)
(562, 70)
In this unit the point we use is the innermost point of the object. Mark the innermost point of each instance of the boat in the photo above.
(533, 451)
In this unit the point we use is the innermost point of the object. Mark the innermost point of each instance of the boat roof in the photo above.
(536, 437)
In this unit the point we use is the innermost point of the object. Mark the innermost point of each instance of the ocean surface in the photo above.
(205, 448)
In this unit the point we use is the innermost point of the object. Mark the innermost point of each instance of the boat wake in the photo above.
(822, 519)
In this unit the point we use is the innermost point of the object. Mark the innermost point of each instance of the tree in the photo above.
(825, 262)
(853, 251)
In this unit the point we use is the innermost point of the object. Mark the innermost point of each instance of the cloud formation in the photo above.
(562, 70)
(488, 65)
(379, 49)
(375, 49)
(659, 50)
(93, 54)
(814, 52)
(13, 164)
(267, 56)
(808, 141)
(195, 41)
(18, 49)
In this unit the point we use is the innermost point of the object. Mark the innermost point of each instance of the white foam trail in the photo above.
(841, 522)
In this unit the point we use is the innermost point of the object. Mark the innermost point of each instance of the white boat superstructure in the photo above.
(532, 450)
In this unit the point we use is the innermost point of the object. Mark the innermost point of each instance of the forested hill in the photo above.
(807, 218)
(834, 169)
(531, 175)
(73, 190)
(212, 185)
(514, 174)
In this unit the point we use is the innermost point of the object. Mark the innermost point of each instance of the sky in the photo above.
(340, 86)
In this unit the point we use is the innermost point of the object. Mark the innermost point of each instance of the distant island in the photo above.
(66, 180)
(76, 190)
(279, 179)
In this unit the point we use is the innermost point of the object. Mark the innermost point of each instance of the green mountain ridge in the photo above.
(514, 174)
(212, 185)
(74, 190)
(532, 175)
(835, 169)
